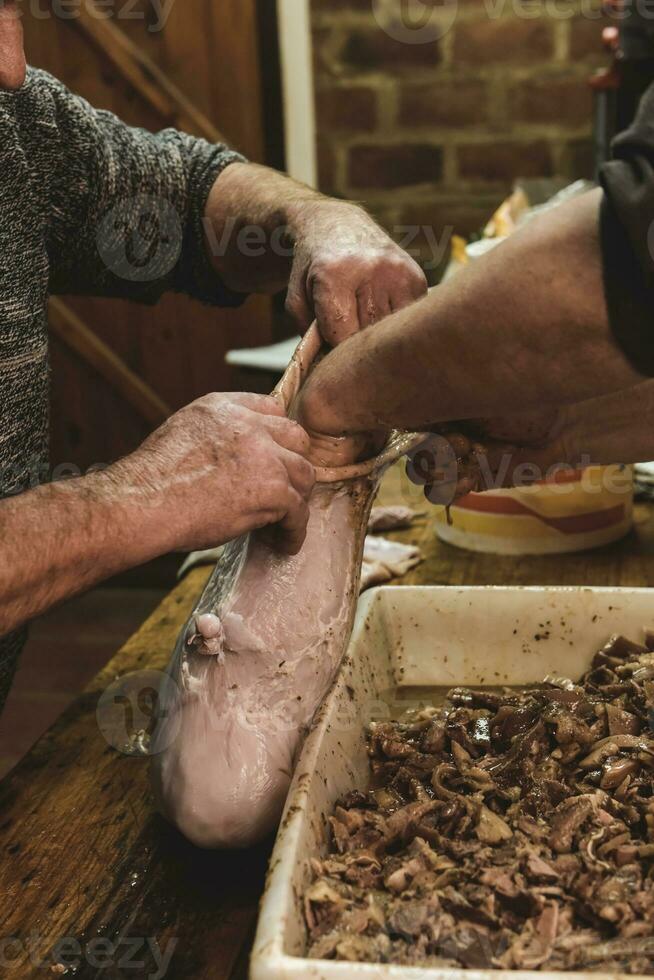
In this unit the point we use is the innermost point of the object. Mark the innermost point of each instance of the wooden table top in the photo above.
(90, 875)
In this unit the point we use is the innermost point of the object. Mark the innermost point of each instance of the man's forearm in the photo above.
(57, 540)
(616, 428)
(219, 468)
(522, 328)
(253, 217)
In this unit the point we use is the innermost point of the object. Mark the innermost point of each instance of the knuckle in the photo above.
(292, 302)
(305, 472)
(325, 263)
(269, 404)
(417, 273)
(270, 498)
(294, 499)
(204, 413)
(367, 266)
(396, 257)
(299, 436)
(331, 267)
(403, 265)
(299, 512)
(238, 397)
(216, 398)
(278, 483)
(309, 477)
(206, 404)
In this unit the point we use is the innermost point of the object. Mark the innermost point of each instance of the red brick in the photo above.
(562, 102)
(386, 167)
(426, 231)
(341, 5)
(504, 161)
(507, 40)
(435, 244)
(464, 219)
(350, 108)
(409, 12)
(374, 50)
(447, 104)
(586, 39)
(322, 66)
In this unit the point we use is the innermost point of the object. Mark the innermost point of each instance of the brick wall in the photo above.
(433, 134)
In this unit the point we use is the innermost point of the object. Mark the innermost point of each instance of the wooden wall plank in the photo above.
(210, 52)
(72, 330)
(237, 73)
(152, 84)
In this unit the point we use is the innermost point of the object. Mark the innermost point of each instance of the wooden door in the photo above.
(207, 66)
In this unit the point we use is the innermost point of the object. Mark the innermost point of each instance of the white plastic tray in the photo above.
(414, 636)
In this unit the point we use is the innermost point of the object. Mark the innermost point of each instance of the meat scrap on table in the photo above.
(508, 830)
(384, 560)
(392, 517)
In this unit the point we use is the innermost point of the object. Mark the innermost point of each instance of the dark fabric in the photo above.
(636, 23)
(627, 237)
(88, 205)
(635, 78)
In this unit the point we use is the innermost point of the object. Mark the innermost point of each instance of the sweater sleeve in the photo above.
(126, 206)
(627, 237)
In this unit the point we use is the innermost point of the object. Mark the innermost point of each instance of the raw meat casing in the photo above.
(255, 660)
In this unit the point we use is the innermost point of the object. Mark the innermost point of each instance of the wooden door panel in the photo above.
(91, 423)
(210, 51)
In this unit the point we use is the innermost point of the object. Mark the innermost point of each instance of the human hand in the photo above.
(489, 454)
(347, 273)
(524, 448)
(219, 468)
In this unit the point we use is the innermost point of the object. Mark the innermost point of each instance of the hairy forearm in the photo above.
(219, 468)
(59, 539)
(615, 428)
(254, 217)
(525, 327)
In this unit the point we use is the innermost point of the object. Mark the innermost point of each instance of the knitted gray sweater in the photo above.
(88, 205)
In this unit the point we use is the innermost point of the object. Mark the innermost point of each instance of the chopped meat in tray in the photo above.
(508, 830)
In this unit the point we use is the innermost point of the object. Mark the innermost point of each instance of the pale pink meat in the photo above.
(258, 656)
(384, 560)
(391, 518)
